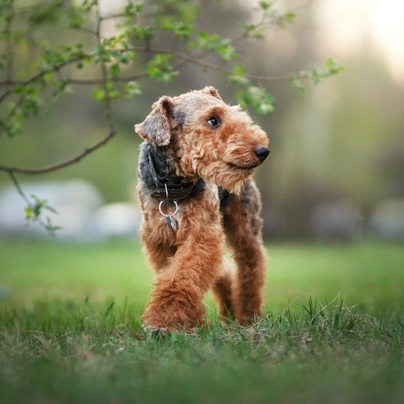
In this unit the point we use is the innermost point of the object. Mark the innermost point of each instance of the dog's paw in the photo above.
(155, 330)
(172, 314)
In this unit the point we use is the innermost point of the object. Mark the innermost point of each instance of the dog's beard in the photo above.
(225, 168)
(224, 175)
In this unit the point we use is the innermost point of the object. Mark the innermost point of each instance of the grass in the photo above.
(70, 330)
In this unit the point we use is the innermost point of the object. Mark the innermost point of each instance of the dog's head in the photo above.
(211, 139)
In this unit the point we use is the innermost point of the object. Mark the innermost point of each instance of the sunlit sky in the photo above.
(347, 25)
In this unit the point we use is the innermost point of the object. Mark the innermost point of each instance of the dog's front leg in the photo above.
(177, 298)
(243, 224)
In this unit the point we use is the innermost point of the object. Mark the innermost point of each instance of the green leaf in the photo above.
(255, 31)
(74, 21)
(154, 71)
(227, 52)
(264, 108)
(124, 59)
(289, 17)
(28, 212)
(160, 69)
(99, 94)
(63, 88)
(258, 97)
(114, 53)
(50, 208)
(333, 67)
(146, 33)
(114, 68)
(239, 79)
(131, 10)
(132, 89)
(266, 5)
(298, 84)
(19, 89)
(168, 25)
(87, 5)
(183, 30)
(239, 69)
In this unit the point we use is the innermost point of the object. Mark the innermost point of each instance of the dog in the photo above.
(196, 193)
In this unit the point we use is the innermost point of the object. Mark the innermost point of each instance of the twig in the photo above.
(18, 187)
(88, 150)
(38, 75)
(48, 227)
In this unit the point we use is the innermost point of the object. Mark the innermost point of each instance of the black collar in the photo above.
(170, 191)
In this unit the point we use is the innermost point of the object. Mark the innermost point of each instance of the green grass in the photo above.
(70, 330)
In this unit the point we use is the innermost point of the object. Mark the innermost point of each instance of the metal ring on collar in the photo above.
(166, 214)
(165, 186)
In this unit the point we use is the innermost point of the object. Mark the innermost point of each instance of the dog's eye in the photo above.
(214, 121)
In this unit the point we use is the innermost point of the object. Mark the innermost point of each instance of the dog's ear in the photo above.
(211, 91)
(156, 127)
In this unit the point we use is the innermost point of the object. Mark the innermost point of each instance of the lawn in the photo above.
(70, 330)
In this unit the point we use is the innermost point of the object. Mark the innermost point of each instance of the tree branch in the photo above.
(112, 131)
(39, 75)
(77, 158)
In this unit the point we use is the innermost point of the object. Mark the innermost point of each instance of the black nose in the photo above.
(262, 153)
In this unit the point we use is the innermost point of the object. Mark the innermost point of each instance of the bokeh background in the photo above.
(336, 168)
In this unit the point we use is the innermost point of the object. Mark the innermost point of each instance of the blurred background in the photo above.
(336, 168)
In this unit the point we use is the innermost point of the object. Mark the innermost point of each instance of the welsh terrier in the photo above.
(196, 192)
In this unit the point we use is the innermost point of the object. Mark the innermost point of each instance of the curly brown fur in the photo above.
(208, 150)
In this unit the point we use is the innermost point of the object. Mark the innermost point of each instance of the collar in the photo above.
(166, 190)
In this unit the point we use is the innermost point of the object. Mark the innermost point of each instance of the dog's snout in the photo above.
(262, 153)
